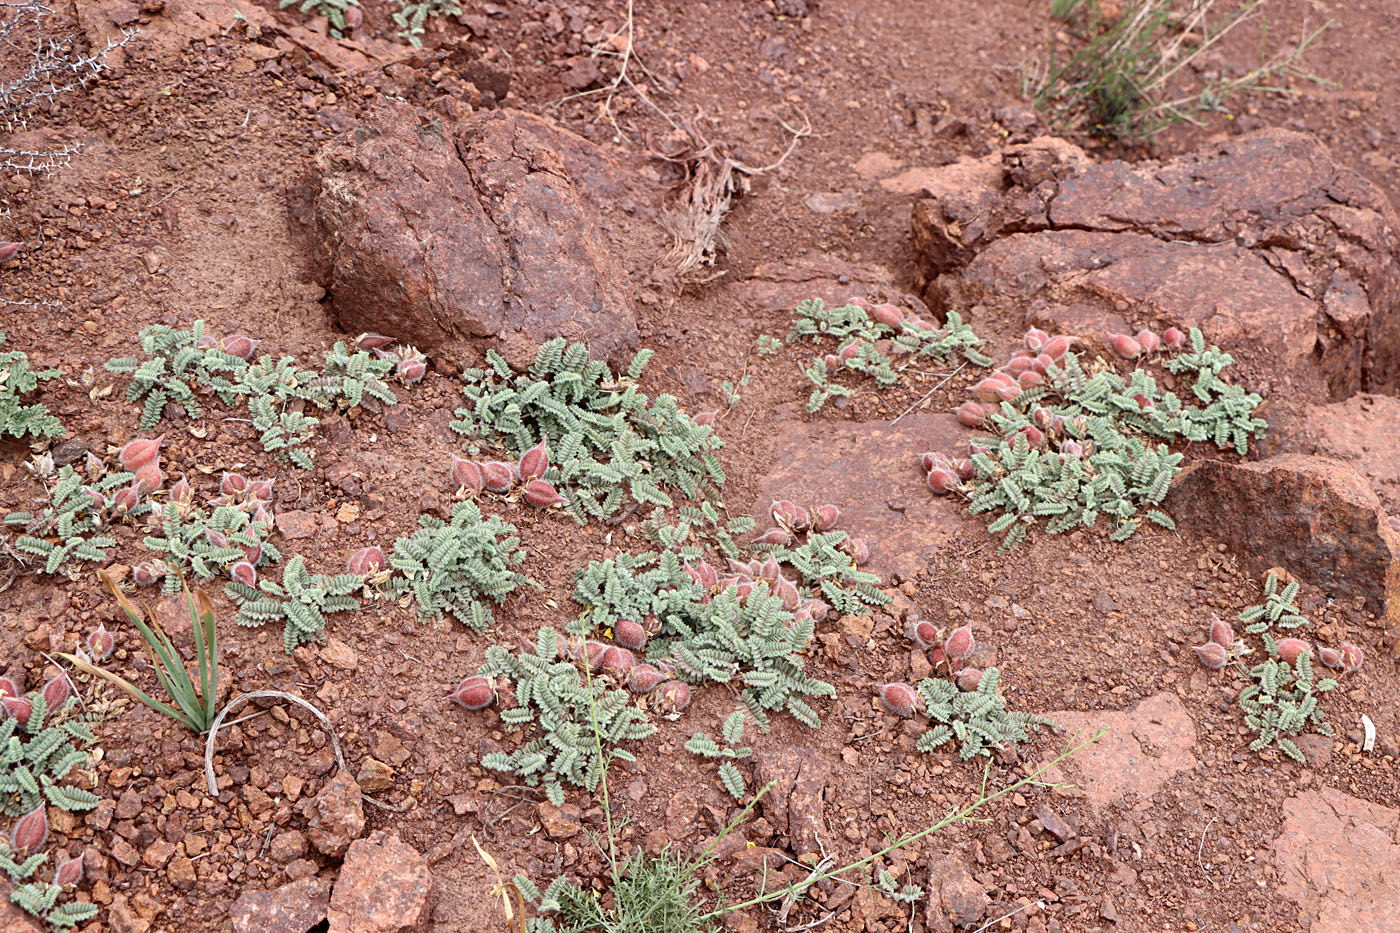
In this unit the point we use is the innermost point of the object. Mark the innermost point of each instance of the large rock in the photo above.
(870, 470)
(794, 803)
(384, 887)
(292, 908)
(1318, 518)
(956, 900)
(1364, 432)
(337, 815)
(1263, 241)
(439, 235)
(1338, 858)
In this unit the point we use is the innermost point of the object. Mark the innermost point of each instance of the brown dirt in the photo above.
(184, 204)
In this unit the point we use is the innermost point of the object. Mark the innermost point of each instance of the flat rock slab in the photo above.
(1318, 518)
(384, 887)
(1264, 241)
(1363, 432)
(1144, 748)
(870, 471)
(1339, 858)
(292, 908)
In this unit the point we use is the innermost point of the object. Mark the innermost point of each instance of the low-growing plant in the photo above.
(1277, 609)
(412, 17)
(977, 719)
(175, 364)
(70, 527)
(301, 601)
(706, 747)
(458, 567)
(16, 380)
(21, 860)
(207, 543)
(346, 378)
(1134, 72)
(609, 443)
(38, 750)
(868, 339)
(1072, 446)
(581, 720)
(691, 527)
(338, 13)
(194, 701)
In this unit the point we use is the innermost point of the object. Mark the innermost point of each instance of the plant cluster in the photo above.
(207, 543)
(867, 340)
(342, 16)
(70, 527)
(301, 601)
(37, 749)
(496, 476)
(1072, 446)
(731, 733)
(609, 442)
(1131, 72)
(581, 720)
(693, 527)
(16, 379)
(21, 860)
(181, 365)
(458, 567)
(1283, 698)
(412, 17)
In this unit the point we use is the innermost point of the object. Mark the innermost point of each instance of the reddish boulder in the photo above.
(1264, 241)
(794, 803)
(956, 900)
(384, 887)
(1360, 431)
(1317, 518)
(292, 908)
(438, 235)
(337, 815)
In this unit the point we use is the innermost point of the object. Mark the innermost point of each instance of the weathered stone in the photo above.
(870, 471)
(286, 846)
(794, 804)
(1338, 859)
(956, 900)
(1142, 749)
(337, 815)
(1317, 518)
(1264, 241)
(375, 776)
(1362, 431)
(485, 236)
(384, 887)
(560, 822)
(292, 908)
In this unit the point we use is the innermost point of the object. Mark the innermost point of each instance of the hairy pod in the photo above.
(8, 688)
(473, 693)
(8, 250)
(126, 498)
(1030, 379)
(629, 634)
(366, 561)
(1221, 633)
(1211, 655)
(827, 517)
(970, 414)
(817, 609)
(968, 679)
(372, 342)
(497, 476)
(1291, 649)
(773, 536)
(1148, 340)
(645, 678)
(887, 314)
(145, 573)
(1125, 346)
(706, 418)
(899, 699)
(239, 345)
(1352, 658)
(619, 661)
(18, 708)
(923, 633)
(139, 453)
(410, 371)
(960, 644)
(30, 832)
(942, 481)
(786, 591)
(466, 474)
(541, 494)
(69, 872)
(1056, 347)
(149, 478)
(534, 462)
(673, 696)
(1173, 338)
(859, 551)
(233, 484)
(261, 489)
(244, 572)
(100, 643)
(1036, 339)
(57, 691)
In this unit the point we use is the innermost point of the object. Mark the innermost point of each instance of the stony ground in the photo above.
(199, 194)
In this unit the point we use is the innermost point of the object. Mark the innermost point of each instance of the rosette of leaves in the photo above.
(69, 528)
(347, 378)
(458, 567)
(185, 542)
(17, 379)
(706, 747)
(694, 525)
(40, 898)
(906, 894)
(36, 756)
(1282, 702)
(813, 320)
(175, 364)
(978, 720)
(301, 601)
(580, 721)
(610, 444)
(1277, 609)
(831, 572)
(276, 390)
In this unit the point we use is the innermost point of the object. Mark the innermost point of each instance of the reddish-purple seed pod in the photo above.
(773, 536)
(988, 389)
(244, 572)
(1017, 365)
(859, 551)
(30, 832)
(590, 654)
(801, 518)
(541, 494)
(673, 696)
(1148, 340)
(261, 489)
(970, 414)
(1043, 364)
(149, 478)
(140, 452)
(239, 345)
(145, 573)
(57, 691)
(1125, 346)
(93, 464)
(859, 302)
(818, 609)
(968, 679)
(1352, 658)
(888, 315)
(1056, 347)
(1008, 393)
(69, 872)
(8, 688)
(706, 418)
(1291, 649)
(787, 592)
(233, 484)
(849, 351)
(899, 699)
(645, 678)
(366, 561)
(964, 468)
(497, 476)
(827, 517)
(629, 634)
(1034, 436)
(216, 538)
(1072, 448)
(784, 513)
(372, 342)
(617, 660)
(832, 362)
(411, 370)
(182, 491)
(474, 693)
(1030, 379)
(95, 499)
(923, 633)
(1036, 339)
(1211, 655)
(263, 515)
(466, 474)
(770, 569)
(1221, 633)
(101, 643)
(1332, 657)
(942, 481)
(18, 707)
(253, 553)
(960, 644)
(126, 498)
(1143, 402)
(8, 251)
(1174, 338)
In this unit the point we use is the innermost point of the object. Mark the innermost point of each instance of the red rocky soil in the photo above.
(202, 192)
